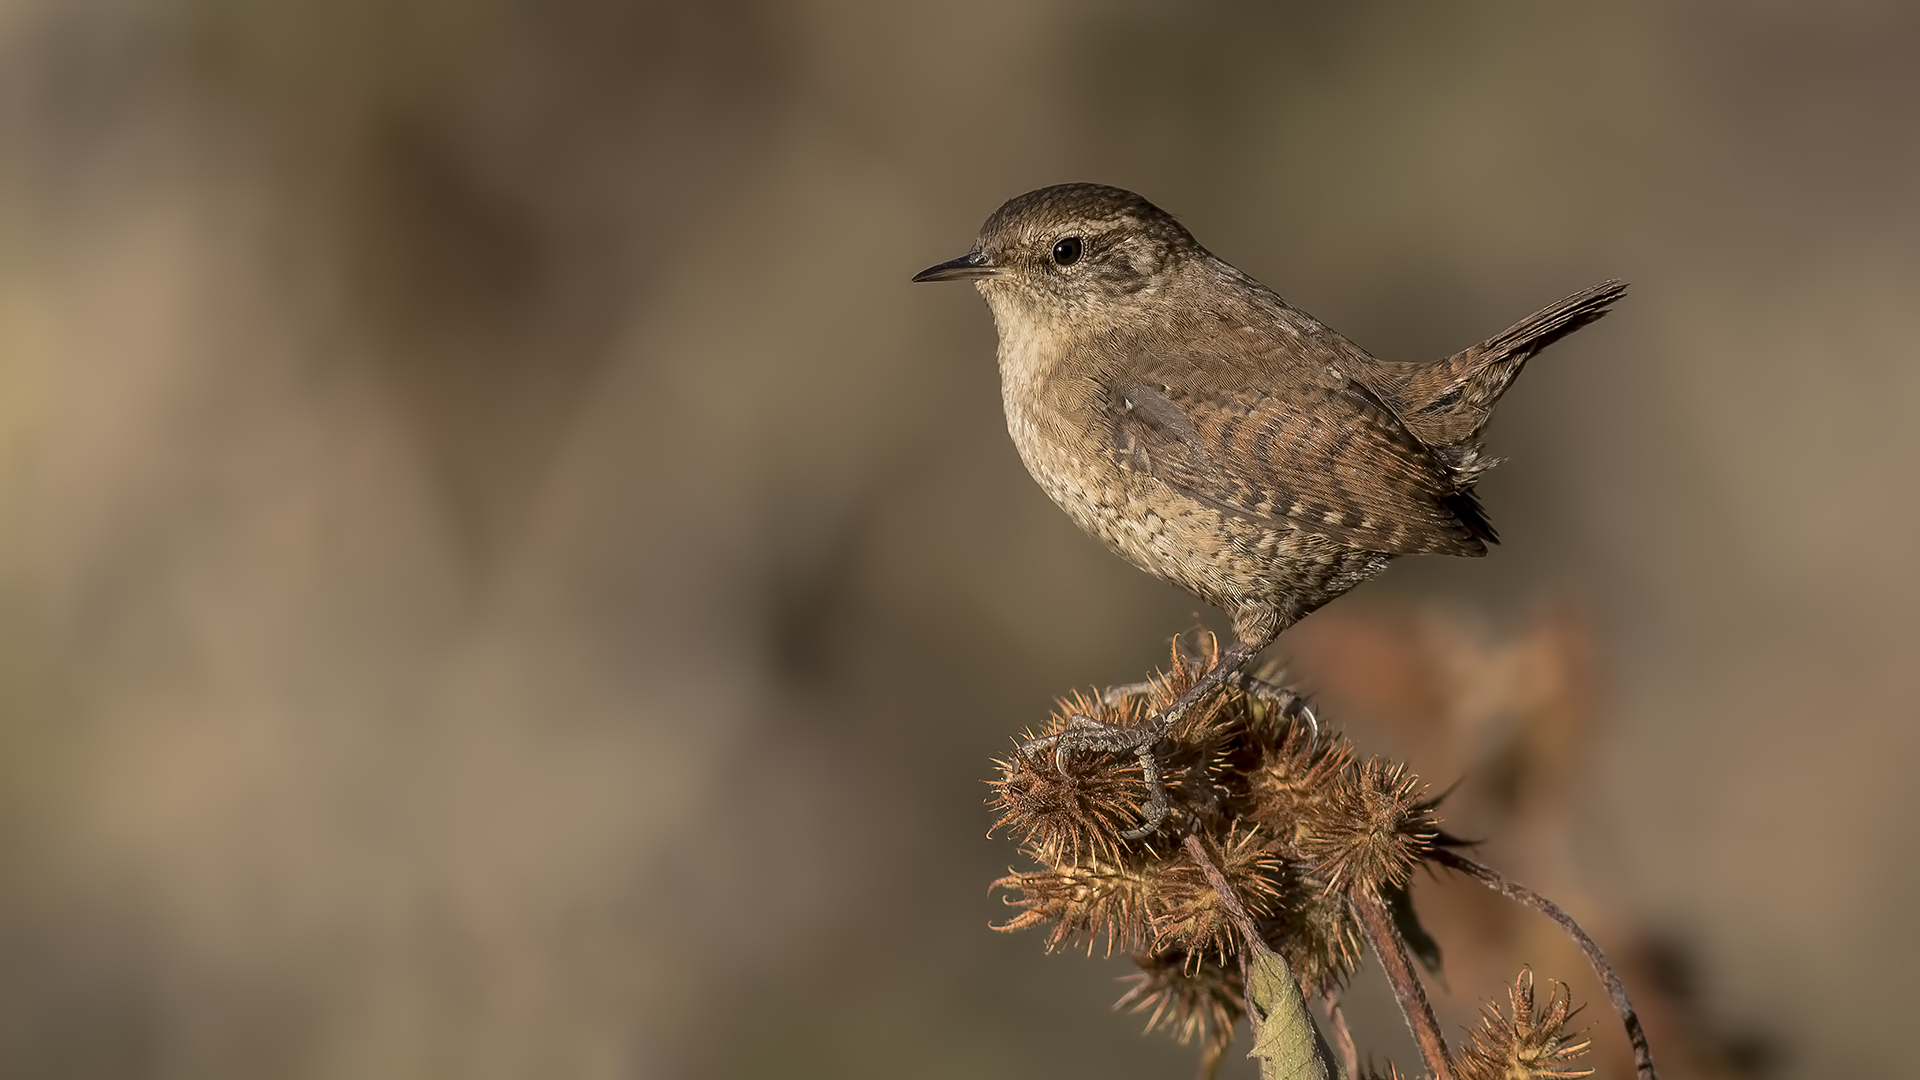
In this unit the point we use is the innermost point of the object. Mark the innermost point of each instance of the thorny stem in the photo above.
(1486, 875)
(1392, 950)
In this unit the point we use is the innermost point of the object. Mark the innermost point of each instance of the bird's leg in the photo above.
(1083, 734)
(1290, 704)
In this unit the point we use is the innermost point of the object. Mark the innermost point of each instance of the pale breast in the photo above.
(1227, 561)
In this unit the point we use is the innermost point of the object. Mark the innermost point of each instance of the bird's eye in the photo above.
(1067, 252)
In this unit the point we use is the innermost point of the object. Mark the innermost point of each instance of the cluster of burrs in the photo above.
(1282, 851)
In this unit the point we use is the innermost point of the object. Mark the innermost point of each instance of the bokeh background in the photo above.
(501, 575)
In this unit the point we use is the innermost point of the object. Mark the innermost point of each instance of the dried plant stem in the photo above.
(1486, 875)
(1242, 921)
(1392, 950)
(1285, 1039)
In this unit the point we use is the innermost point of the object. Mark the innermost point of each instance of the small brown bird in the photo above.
(1217, 437)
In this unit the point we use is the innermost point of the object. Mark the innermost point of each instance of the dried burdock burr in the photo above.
(1521, 1044)
(1290, 851)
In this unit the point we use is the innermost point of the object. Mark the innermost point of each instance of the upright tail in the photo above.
(1448, 403)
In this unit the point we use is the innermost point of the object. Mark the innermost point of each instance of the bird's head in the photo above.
(1073, 251)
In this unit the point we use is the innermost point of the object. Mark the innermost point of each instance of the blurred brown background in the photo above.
(504, 577)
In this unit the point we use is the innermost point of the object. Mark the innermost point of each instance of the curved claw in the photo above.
(1032, 746)
(1304, 710)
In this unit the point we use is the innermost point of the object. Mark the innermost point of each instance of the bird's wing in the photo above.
(1323, 455)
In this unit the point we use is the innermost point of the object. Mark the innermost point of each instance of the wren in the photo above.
(1219, 438)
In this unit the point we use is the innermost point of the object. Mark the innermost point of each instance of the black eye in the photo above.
(1067, 252)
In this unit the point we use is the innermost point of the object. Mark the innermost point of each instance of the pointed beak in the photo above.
(973, 264)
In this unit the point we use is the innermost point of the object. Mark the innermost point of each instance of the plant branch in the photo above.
(1617, 990)
(1392, 950)
(1285, 1039)
(1242, 920)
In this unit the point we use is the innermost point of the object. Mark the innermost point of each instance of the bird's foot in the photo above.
(1085, 735)
(1291, 704)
